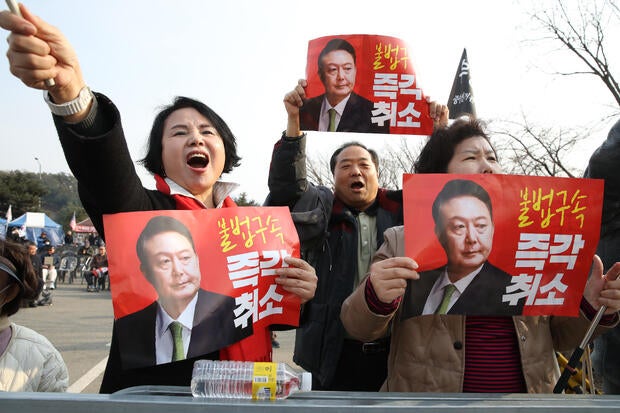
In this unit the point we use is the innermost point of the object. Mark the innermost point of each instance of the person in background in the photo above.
(339, 232)
(98, 274)
(91, 239)
(457, 353)
(85, 256)
(603, 164)
(28, 361)
(35, 260)
(96, 240)
(86, 249)
(189, 148)
(68, 238)
(50, 263)
(15, 236)
(43, 242)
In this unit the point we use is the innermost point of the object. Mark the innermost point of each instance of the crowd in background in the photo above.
(80, 257)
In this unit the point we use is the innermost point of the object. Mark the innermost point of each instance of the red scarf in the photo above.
(256, 347)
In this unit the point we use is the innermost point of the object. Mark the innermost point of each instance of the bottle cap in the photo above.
(306, 381)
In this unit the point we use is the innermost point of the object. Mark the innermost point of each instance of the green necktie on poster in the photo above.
(332, 120)
(448, 290)
(176, 329)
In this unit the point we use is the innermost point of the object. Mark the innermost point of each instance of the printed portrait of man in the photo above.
(339, 108)
(185, 321)
(468, 283)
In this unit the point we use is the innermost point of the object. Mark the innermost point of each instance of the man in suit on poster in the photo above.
(185, 321)
(339, 108)
(463, 217)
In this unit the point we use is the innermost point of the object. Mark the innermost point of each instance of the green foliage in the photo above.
(242, 200)
(54, 194)
(21, 190)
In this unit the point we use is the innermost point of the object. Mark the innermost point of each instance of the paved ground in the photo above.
(79, 324)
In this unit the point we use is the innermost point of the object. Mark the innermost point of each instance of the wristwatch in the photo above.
(72, 107)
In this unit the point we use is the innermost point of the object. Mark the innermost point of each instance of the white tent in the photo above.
(34, 223)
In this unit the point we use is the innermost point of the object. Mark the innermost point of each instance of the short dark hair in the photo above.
(439, 148)
(158, 225)
(16, 258)
(334, 44)
(153, 159)
(457, 188)
(333, 159)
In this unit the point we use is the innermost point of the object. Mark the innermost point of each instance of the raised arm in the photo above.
(293, 101)
(287, 171)
(38, 51)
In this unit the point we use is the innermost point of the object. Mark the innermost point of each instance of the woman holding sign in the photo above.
(189, 148)
(479, 353)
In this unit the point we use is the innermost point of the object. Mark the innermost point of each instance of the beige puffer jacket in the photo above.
(31, 363)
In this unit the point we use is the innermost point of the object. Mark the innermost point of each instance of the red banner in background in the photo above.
(238, 250)
(385, 76)
(545, 236)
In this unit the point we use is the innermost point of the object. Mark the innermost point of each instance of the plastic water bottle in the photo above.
(247, 380)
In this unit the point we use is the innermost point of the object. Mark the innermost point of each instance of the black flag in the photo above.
(461, 101)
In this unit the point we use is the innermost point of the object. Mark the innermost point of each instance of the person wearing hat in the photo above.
(28, 361)
(43, 241)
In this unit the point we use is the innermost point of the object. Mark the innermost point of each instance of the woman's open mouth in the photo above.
(198, 160)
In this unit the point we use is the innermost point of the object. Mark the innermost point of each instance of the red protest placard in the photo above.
(527, 249)
(238, 249)
(369, 80)
(211, 270)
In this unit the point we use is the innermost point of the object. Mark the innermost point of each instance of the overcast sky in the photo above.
(241, 57)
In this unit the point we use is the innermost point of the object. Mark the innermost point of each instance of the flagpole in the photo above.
(571, 367)
(9, 218)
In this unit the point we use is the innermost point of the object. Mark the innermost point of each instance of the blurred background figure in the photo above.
(50, 262)
(69, 238)
(604, 165)
(98, 274)
(35, 260)
(28, 361)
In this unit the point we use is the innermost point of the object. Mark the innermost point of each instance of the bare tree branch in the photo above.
(530, 150)
(582, 32)
(318, 171)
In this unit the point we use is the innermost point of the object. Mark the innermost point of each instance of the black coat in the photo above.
(603, 164)
(328, 236)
